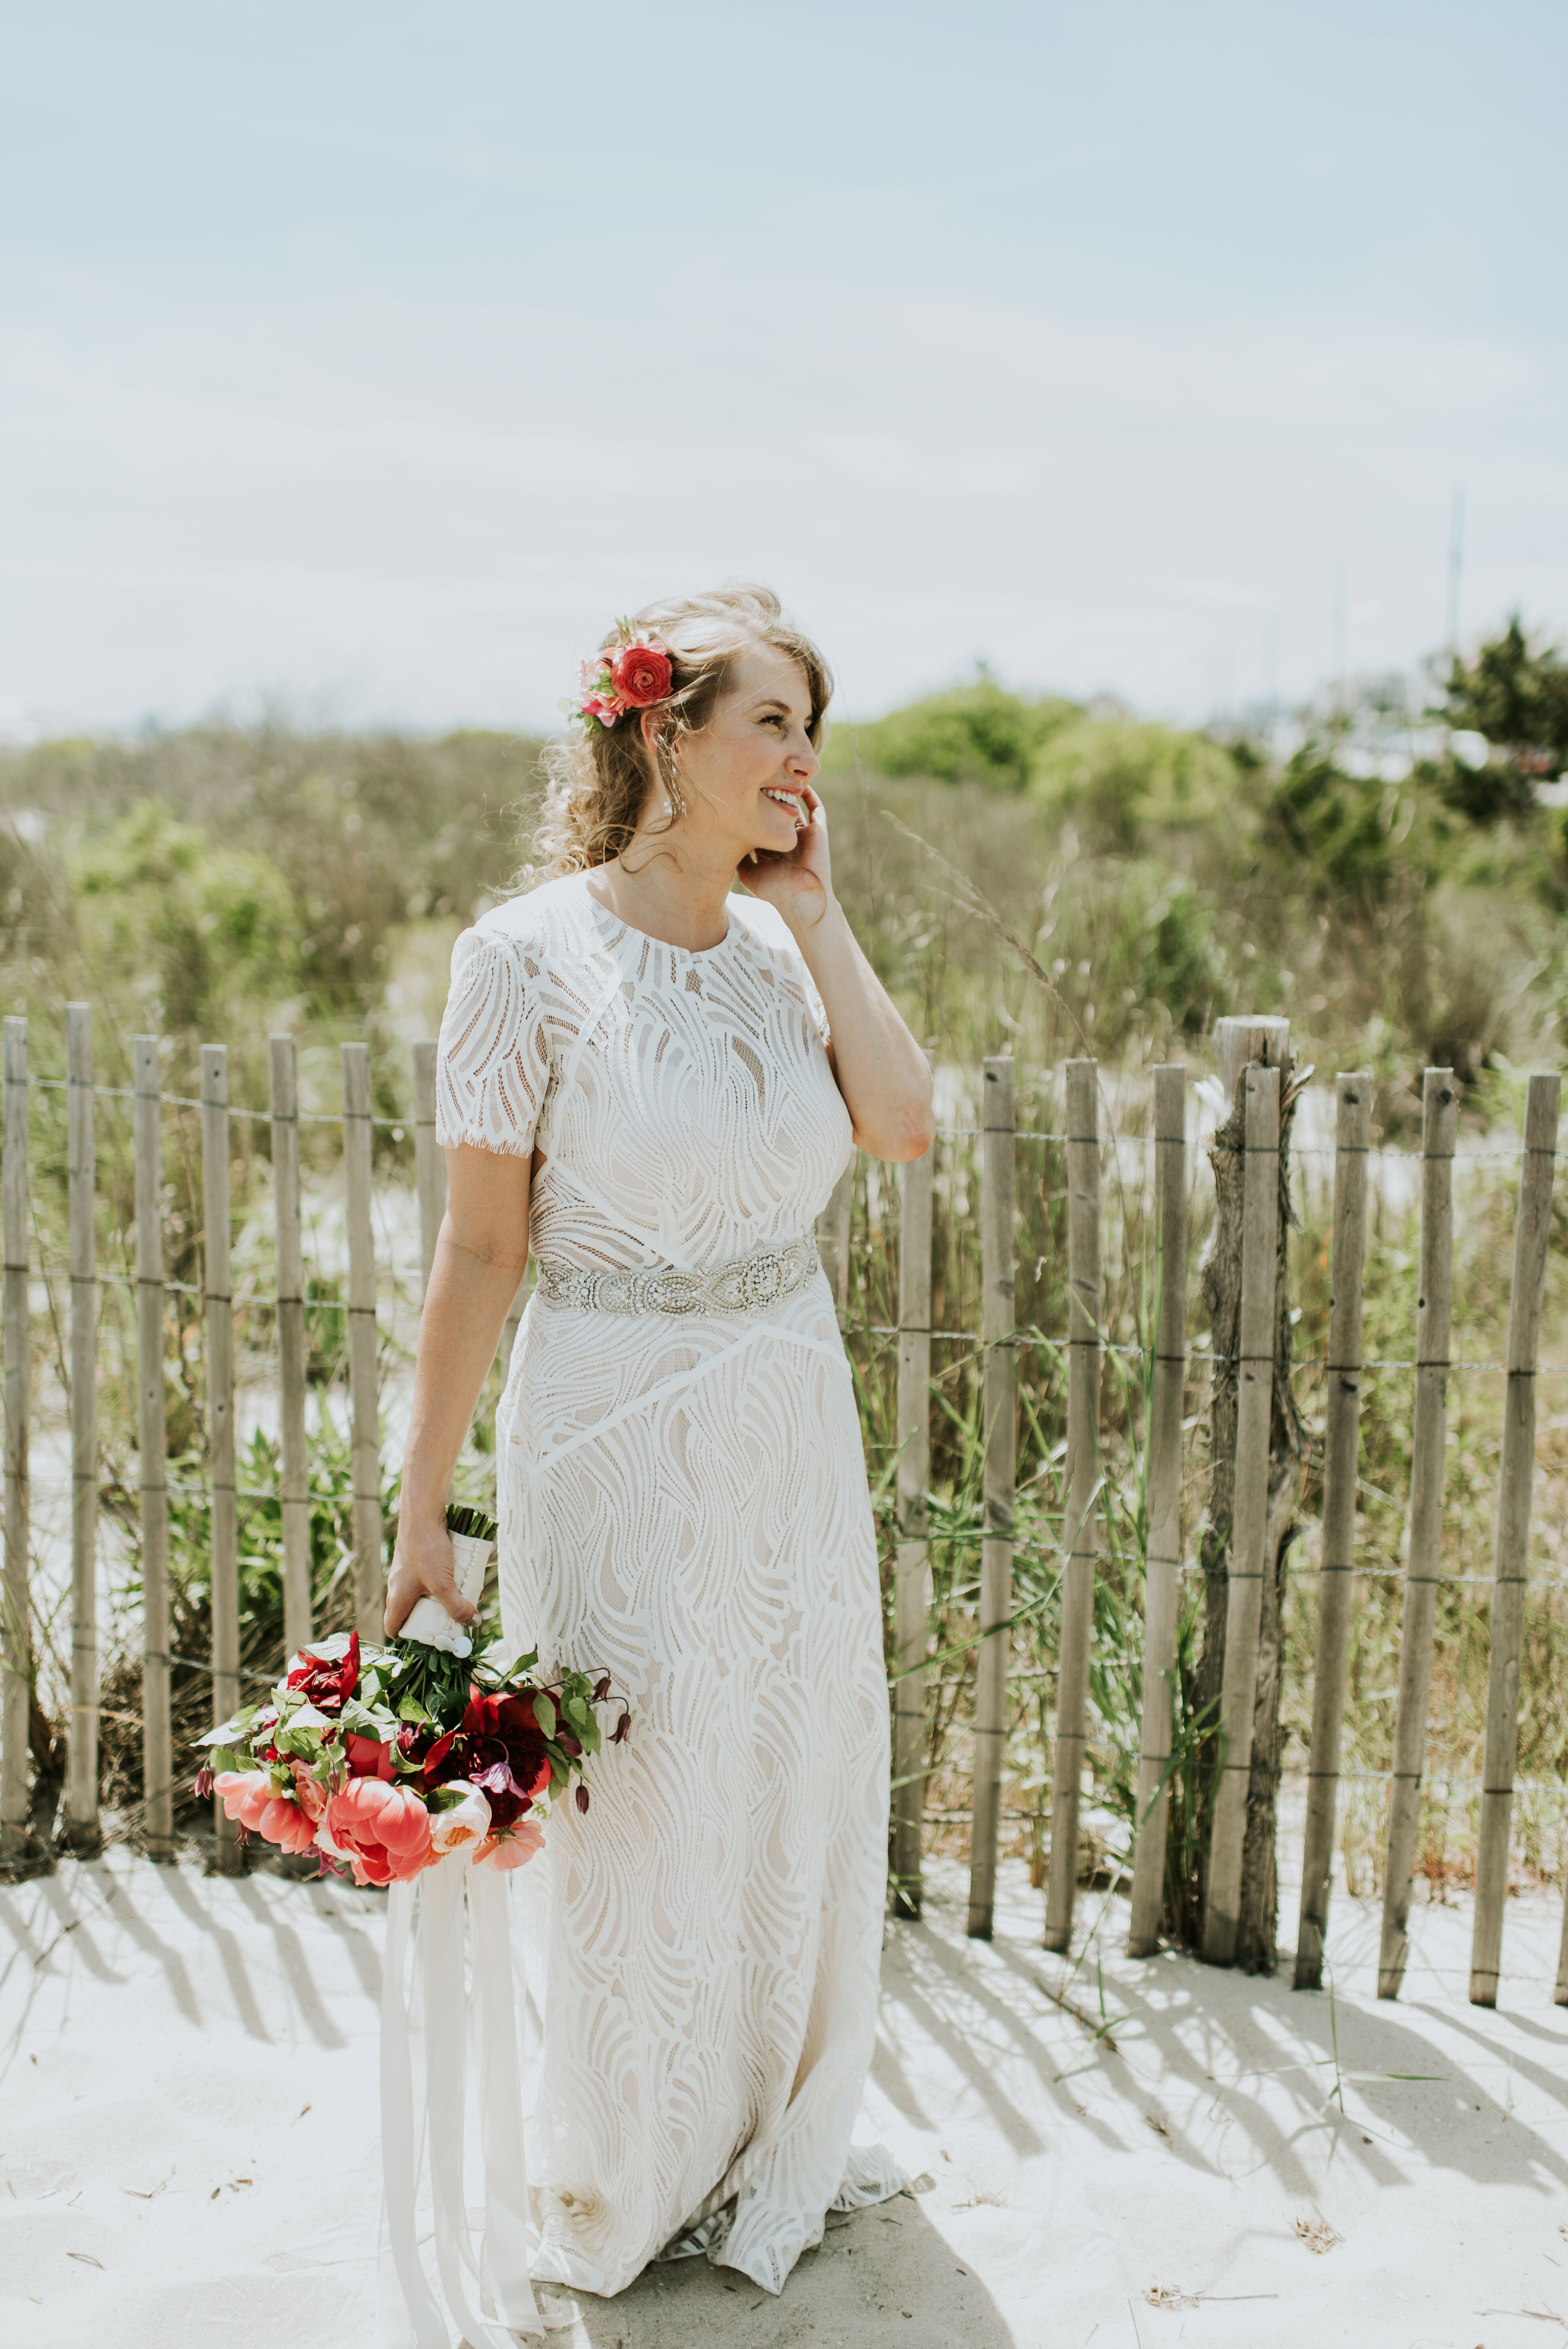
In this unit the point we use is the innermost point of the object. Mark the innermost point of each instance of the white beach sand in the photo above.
(188, 2160)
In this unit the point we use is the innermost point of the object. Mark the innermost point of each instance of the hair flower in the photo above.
(634, 673)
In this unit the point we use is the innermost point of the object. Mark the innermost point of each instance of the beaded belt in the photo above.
(739, 1288)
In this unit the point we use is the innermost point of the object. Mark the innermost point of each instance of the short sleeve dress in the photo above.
(683, 1501)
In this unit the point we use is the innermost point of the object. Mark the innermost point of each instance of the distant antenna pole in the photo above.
(1456, 569)
(1271, 658)
(1341, 635)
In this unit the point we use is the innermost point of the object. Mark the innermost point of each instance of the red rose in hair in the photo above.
(641, 674)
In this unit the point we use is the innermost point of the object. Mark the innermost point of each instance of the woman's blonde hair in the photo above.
(598, 781)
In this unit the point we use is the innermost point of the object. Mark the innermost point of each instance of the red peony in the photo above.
(641, 674)
(447, 1759)
(383, 1832)
(326, 1684)
(506, 1754)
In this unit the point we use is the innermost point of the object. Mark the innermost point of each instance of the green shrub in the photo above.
(1338, 829)
(1120, 780)
(975, 734)
(192, 936)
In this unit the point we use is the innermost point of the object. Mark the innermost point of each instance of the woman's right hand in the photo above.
(423, 1567)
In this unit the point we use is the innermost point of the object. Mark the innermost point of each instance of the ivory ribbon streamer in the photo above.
(501, 2270)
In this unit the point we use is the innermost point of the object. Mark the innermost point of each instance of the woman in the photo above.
(657, 1082)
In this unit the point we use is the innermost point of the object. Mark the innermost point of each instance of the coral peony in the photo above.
(511, 1850)
(465, 1825)
(245, 1794)
(368, 1757)
(309, 1793)
(384, 1832)
(284, 1823)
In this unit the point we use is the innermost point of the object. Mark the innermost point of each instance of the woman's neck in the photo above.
(671, 893)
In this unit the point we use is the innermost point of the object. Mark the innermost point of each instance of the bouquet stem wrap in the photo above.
(451, 1911)
(428, 1619)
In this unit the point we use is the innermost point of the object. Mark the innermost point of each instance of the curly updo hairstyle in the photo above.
(599, 780)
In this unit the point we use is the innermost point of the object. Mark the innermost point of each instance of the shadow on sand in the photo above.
(880, 2276)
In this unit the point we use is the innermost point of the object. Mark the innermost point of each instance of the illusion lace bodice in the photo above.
(683, 1101)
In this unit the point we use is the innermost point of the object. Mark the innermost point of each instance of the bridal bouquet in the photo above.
(384, 1760)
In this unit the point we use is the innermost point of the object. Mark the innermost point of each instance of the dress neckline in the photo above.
(686, 954)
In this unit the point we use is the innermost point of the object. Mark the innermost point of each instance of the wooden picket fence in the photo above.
(999, 1343)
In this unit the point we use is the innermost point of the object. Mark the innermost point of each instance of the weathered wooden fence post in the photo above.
(1080, 1533)
(81, 1794)
(1341, 1441)
(219, 1286)
(1423, 1562)
(357, 1140)
(293, 1454)
(1532, 1233)
(153, 1446)
(429, 1167)
(999, 1409)
(914, 1586)
(16, 1706)
(1162, 1565)
(1249, 1531)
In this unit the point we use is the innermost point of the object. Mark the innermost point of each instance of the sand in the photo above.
(188, 2148)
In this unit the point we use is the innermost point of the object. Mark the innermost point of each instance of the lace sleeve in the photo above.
(493, 1060)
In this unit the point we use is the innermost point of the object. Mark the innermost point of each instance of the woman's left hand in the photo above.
(799, 883)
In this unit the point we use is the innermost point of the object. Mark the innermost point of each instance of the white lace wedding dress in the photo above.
(683, 1501)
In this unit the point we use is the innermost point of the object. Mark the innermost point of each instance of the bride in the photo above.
(654, 1083)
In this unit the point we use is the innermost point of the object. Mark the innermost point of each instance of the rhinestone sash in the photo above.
(750, 1282)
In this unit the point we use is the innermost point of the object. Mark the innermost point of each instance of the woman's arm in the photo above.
(883, 1073)
(480, 1257)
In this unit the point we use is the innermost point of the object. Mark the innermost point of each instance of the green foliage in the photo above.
(183, 928)
(352, 841)
(1341, 828)
(974, 734)
(1516, 695)
(260, 1578)
(1121, 781)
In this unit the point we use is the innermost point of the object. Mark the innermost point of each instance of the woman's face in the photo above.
(744, 777)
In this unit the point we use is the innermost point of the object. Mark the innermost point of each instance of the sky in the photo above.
(362, 360)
